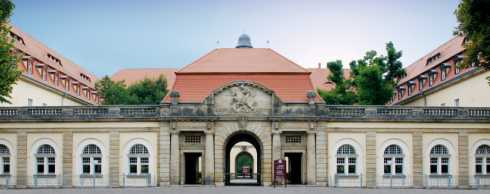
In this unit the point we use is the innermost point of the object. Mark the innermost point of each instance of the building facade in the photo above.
(48, 79)
(228, 117)
(438, 80)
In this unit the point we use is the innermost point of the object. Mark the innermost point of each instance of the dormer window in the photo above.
(432, 76)
(54, 59)
(422, 81)
(433, 58)
(17, 38)
(401, 92)
(445, 67)
(85, 77)
(411, 87)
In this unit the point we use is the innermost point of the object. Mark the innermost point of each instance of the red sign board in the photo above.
(279, 171)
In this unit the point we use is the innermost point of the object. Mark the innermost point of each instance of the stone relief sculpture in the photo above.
(242, 99)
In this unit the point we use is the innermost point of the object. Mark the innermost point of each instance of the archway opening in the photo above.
(243, 159)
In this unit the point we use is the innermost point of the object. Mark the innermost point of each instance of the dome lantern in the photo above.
(244, 42)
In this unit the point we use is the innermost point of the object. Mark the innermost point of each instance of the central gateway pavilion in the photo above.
(228, 116)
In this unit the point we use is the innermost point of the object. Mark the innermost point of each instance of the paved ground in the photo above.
(239, 190)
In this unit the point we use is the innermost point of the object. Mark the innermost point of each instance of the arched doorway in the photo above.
(244, 165)
(233, 139)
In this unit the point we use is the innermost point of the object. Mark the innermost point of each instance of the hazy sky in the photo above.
(107, 35)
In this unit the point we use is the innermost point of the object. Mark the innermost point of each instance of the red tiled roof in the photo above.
(220, 67)
(447, 50)
(447, 54)
(132, 76)
(288, 87)
(36, 53)
(244, 60)
(319, 77)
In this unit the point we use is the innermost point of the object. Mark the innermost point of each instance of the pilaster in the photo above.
(371, 159)
(174, 157)
(310, 158)
(67, 158)
(463, 179)
(418, 176)
(114, 159)
(21, 160)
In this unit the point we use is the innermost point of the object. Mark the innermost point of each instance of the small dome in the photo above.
(244, 42)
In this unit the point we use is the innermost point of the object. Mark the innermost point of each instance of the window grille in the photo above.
(91, 149)
(293, 139)
(192, 139)
(138, 149)
(4, 150)
(346, 150)
(439, 150)
(45, 149)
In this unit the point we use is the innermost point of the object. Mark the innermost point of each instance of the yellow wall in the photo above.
(474, 91)
(24, 90)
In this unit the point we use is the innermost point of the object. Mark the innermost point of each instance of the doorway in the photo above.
(193, 168)
(294, 162)
(252, 168)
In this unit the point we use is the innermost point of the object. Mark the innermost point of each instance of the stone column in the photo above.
(310, 158)
(164, 155)
(67, 158)
(21, 160)
(114, 159)
(463, 178)
(174, 157)
(418, 173)
(370, 160)
(276, 149)
(321, 158)
(209, 157)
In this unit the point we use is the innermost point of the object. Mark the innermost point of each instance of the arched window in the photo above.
(45, 160)
(346, 160)
(138, 159)
(482, 160)
(439, 160)
(4, 160)
(91, 160)
(393, 160)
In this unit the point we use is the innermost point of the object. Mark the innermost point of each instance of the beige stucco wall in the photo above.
(24, 90)
(474, 92)
(475, 140)
(450, 140)
(80, 140)
(358, 141)
(127, 140)
(34, 141)
(404, 140)
(10, 140)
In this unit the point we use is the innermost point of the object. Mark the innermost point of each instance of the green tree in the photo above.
(8, 58)
(375, 76)
(113, 93)
(342, 93)
(148, 91)
(474, 23)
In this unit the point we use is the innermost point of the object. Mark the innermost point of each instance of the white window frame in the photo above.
(439, 159)
(347, 159)
(139, 155)
(485, 160)
(5, 154)
(392, 157)
(45, 159)
(95, 159)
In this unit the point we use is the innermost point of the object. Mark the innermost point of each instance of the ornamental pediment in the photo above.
(243, 98)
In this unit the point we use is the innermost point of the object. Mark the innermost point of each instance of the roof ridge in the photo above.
(295, 64)
(197, 60)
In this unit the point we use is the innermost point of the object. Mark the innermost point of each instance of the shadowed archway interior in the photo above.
(231, 141)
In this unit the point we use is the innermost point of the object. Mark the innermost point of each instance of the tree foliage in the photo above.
(342, 93)
(8, 58)
(372, 82)
(474, 23)
(146, 91)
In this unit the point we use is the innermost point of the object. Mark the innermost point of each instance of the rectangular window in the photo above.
(457, 69)
(488, 165)
(133, 168)
(51, 165)
(340, 165)
(97, 165)
(86, 165)
(40, 165)
(444, 165)
(421, 84)
(479, 165)
(443, 73)
(398, 165)
(6, 165)
(433, 165)
(387, 165)
(352, 165)
(144, 165)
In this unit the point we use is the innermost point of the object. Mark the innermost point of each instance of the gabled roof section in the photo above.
(242, 60)
(442, 53)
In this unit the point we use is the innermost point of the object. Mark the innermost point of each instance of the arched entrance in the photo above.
(233, 139)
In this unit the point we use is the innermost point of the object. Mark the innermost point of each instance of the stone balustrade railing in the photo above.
(199, 111)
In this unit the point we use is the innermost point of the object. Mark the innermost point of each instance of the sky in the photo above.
(105, 36)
